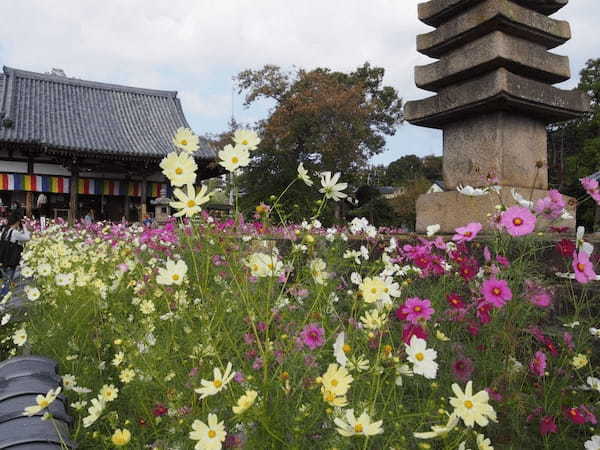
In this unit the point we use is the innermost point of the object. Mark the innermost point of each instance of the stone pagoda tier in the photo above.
(493, 80)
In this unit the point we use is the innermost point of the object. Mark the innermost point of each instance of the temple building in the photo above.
(83, 145)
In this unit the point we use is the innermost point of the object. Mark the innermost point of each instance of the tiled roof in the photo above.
(60, 113)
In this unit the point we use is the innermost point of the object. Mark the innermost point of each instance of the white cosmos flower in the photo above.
(189, 204)
(361, 426)
(219, 382)
(432, 229)
(303, 175)
(20, 337)
(581, 244)
(593, 443)
(173, 273)
(472, 408)
(471, 191)
(246, 139)
(5, 319)
(42, 402)
(422, 358)
(264, 265)
(232, 158)
(339, 349)
(374, 320)
(521, 200)
(439, 430)
(64, 279)
(331, 188)
(210, 435)
(186, 140)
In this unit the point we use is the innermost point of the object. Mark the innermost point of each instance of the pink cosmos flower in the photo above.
(462, 369)
(416, 309)
(574, 415)
(568, 340)
(551, 206)
(538, 364)
(584, 270)
(467, 233)
(537, 294)
(518, 221)
(455, 300)
(496, 292)
(592, 187)
(548, 425)
(313, 336)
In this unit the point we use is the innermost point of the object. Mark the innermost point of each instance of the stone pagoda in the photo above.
(493, 80)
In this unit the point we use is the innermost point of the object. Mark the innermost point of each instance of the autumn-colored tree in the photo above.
(327, 120)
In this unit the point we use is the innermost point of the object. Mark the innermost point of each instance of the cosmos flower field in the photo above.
(213, 334)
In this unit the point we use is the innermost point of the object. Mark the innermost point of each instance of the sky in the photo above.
(196, 47)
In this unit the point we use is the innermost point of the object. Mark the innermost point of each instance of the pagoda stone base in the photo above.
(452, 209)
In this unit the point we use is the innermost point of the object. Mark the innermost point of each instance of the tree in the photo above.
(404, 169)
(405, 204)
(574, 147)
(326, 120)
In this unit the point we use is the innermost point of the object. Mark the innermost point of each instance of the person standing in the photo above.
(12, 237)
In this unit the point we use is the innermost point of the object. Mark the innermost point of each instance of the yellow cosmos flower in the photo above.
(42, 402)
(247, 139)
(180, 168)
(233, 158)
(121, 437)
(209, 435)
(189, 204)
(361, 426)
(372, 289)
(472, 408)
(245, 402)
(186, 140)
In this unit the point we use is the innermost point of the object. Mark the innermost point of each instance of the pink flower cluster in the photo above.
(592, 187)
(552, 206)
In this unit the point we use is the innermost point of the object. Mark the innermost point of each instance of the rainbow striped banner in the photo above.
(155, 188)
(33, 183)
(85, 186)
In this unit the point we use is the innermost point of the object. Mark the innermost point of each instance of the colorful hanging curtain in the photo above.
(154, 189)
(34, 183)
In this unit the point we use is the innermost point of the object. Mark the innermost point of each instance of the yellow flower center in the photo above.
(417, 309)
(517, 221)
(217, 383)
(419, 356)
(270, 266)
(191, 203)
(235, 160)
(580, 267)
(346, 348)
(468, 404)
(496, 291)
(179, 171)
(212, 434)
(184, 142)
(358, 428)
(245, 142)
(44, 403)
(175, 277)
(386, 290)
(334, 382)
(373, 291)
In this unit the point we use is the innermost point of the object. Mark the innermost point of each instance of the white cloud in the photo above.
(186, 44)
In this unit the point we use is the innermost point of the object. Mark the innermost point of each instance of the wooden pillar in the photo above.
(29, 194)
(143, 197)
(126, 203)
(73, 188)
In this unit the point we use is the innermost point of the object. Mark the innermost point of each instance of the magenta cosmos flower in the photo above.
(538, 364)
(415, 309)
(592, 187)
(313, 336)
(467, 233)
(548, 425)
(584, 270)
(518, 221)
(496, 292)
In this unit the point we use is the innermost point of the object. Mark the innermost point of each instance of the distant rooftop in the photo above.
(58, 113)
